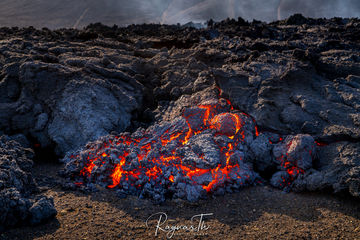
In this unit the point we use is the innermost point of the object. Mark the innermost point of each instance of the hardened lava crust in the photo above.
(180, 112)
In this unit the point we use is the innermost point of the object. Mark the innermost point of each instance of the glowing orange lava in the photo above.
(213, 118)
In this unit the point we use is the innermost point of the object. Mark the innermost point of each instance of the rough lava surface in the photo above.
(20, 201)
(297, 79)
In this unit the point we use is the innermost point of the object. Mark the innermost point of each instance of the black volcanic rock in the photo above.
(19, 203)
(80, 96)
(296, 19)
(297, 77)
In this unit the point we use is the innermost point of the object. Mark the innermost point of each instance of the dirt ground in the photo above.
(254, 213)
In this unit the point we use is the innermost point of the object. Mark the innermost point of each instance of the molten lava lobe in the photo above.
(205, 151)
(200, 153)
(200, 117)
(226, 124)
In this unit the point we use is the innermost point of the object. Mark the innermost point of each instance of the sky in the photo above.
(79, 13)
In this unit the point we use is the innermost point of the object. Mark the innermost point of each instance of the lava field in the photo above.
(171, 111)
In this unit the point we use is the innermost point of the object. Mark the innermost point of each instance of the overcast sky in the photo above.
(79, 13)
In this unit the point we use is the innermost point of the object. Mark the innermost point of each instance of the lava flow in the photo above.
(203, 151)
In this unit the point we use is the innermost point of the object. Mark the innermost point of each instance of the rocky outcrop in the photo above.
(65, 95)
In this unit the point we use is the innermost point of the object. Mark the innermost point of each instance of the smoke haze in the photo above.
(79, 13)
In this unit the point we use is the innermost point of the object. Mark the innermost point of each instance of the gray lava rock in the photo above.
(261, 150)
(20, 138)
(203, 179)
(301, 151)
(314, 181)
(193, 193)
(42, 210)
(86, 112)
(41, 121)
(340, 168)
(280, 180)
(18, 203)
(297, 151)
(195, 118)
(67, 99)
(202, 145)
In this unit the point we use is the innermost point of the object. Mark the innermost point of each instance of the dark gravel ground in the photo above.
(254, 213)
